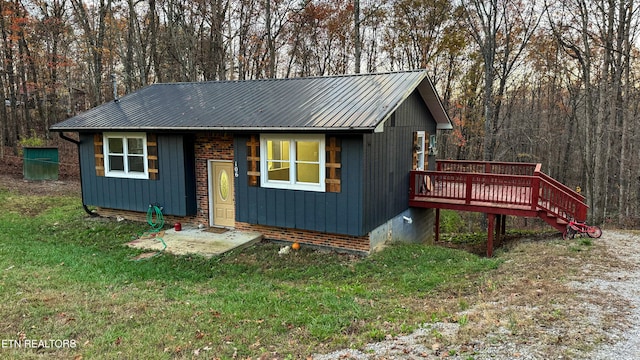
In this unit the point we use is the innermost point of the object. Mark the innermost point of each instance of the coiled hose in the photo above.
(155, 219)
(158, 223)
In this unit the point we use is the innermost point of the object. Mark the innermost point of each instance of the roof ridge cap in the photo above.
(290, 78)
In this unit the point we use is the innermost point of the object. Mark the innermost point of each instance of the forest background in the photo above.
(538, 81)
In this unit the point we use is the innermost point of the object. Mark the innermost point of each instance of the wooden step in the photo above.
(553, 220)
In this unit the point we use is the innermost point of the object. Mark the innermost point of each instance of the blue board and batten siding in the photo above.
(337, 213)
(174, 189)
(374, 179)
(388, 158)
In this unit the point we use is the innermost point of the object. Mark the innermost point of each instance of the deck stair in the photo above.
(497, 189)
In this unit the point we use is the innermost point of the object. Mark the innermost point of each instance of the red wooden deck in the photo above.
(496, 188)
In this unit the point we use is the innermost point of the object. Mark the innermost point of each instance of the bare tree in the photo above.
(7, 16)
(357, 43)
(598, 36)
(94, 32)
(501, 30)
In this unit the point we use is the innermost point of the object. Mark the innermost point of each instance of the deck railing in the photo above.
(559, 199)
(500, 184)
(486, 167)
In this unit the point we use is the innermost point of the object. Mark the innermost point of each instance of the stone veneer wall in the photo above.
(336, 241)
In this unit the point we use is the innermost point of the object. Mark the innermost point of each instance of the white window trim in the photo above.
(126, 173)
(420, 153)
(292, 184)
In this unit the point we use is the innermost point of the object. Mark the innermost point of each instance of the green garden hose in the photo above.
(158, 223)
(155, 219)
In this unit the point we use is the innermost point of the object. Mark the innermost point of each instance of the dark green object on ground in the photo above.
(40, 163)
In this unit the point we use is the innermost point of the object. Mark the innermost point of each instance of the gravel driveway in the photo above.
(623, 283)
(605, 319)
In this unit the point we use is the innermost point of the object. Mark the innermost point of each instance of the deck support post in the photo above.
(437, 226)
(491, 228)
(498, 230)
(503, 230)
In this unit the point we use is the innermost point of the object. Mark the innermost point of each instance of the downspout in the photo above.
(84, 206)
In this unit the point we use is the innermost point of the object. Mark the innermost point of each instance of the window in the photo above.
(125, 155)
(293, 162)
(419, 148)
(433, 143)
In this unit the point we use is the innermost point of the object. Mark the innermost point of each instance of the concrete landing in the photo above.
(208, 242)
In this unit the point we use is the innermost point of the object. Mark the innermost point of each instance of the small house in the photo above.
(319, 160)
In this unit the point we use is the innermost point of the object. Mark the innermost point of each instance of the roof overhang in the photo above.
(431, 99)
(219, 128)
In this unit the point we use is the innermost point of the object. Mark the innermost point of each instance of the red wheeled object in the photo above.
(574, 227)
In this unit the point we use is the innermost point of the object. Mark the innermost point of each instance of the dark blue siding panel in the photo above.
(281, 208)
(87, 161)
(240, 182)
(354, 191)
(320, 212)
(174, 190)
(270, 203)
(330, 208)
(289, 211)
(309, 207)
(298, 203)
(263, 207)
(252, 205)
(146, 192)
(388, 158)
(338, 213)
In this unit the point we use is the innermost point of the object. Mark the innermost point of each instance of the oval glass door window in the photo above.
(224, 185)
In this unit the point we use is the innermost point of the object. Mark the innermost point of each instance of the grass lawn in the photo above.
(64, 276)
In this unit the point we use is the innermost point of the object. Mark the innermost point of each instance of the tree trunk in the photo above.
(26, 124)
(9, 75)
(357, 44)
(128, 60)
(95, 39)
(623, 106)
(153, 43)
(3, 118)
(217, 28)
(271, 47)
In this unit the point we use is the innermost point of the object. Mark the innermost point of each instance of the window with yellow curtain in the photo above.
(292, 161)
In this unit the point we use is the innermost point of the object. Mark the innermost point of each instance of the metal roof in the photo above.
(348, 102)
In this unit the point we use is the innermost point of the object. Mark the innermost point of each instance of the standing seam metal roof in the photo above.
(346, 102)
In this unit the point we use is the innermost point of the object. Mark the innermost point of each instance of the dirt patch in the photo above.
(15, 183)
(11, 163)
(68, 183)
